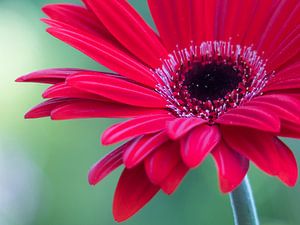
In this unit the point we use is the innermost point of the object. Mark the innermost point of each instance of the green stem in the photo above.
(243, 205)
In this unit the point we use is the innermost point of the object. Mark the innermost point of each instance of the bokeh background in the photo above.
(44, 164)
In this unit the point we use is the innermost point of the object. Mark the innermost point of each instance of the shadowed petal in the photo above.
(142, 147)
(162, 162)
(130, 29)
(198, 144)
(232, 167)
(133, 191)
(135, 127)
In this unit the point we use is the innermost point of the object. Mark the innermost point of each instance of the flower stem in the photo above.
(243, 205)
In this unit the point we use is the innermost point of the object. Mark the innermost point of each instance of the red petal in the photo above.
(106, 54)
(198, 144)
(232, 167)
(117, 89)
(142, 147)
(45, 108)
(255, 145)
(134, 127)
(162, 162)
(180, 126)
(62, 90)
(79, 18)
(133, 191)
(251, 117)
(289, 170)
(130, 29)
(164, 19)
(290, 72)
(49, 76)
(289, 129)
(292, 83)
(286, 107)
(197, 21)
(171, 183)
(96, 109)
(107, 164)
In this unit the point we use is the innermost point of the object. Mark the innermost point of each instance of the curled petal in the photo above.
(198, 144)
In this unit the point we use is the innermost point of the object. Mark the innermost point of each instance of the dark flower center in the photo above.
(211, 81)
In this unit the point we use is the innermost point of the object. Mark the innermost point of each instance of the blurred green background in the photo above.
(44, 164)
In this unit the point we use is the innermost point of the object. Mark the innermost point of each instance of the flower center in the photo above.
(209, 79)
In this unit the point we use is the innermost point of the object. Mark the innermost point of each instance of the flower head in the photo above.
(221, 78)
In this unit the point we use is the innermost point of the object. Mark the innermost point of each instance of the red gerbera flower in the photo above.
(221, 78)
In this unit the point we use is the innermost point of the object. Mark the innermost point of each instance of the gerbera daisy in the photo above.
(220, 78)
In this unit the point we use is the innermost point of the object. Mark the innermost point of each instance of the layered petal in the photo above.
(198, 144)
(266, 151)
(142, 147)
(106, 54)
(44, 109)
(289, 169)
(180, 126)
(82, 109)
(49, 76)
(117, 89)
(133, 191)
(289, 129)
(135, 127)
(78, 17)
(286, 107)
(254, 145)
(107, 164)
(130, 29)
(251, 117)
(62, 90)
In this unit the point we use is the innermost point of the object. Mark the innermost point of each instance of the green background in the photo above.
(44, 163)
